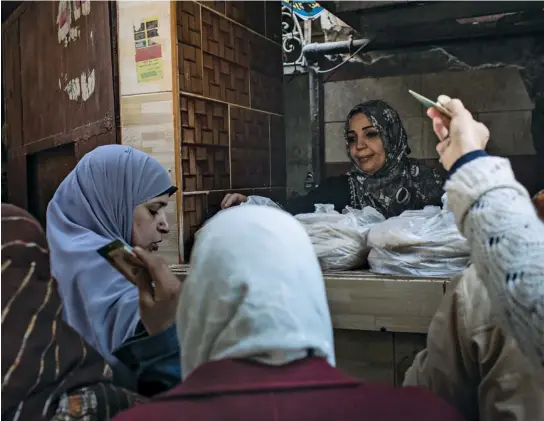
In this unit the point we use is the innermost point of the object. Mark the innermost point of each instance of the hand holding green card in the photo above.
(427, 103)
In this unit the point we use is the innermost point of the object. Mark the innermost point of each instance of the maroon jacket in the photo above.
(306, 390)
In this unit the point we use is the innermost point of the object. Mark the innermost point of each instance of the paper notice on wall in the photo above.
(149, 61)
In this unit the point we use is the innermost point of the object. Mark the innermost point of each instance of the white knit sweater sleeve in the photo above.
(495, 213)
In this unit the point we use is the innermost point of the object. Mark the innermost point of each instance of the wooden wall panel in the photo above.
(12, 130)
(218, 6)
(11, 85)
(266, 92)
(250, 142)
(365, 355)
(225, 47)
(47, 169)
(381, 357)
(65, 85)
(266, 75)
(189, 35)
(59, 94)
(250, 14)
(273, 21)
(17, 178)
(366, 301)
(225, 81)
(204, 145)
(266, 56)
(231, 100)
(278, 162)
(223, 38)
(194, 206)
(406, 347)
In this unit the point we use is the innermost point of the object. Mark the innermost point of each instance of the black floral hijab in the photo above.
(402, 183)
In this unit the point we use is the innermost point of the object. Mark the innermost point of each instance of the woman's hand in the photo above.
(458, 136)
(158, 304)
(233, 199)
(538, 201)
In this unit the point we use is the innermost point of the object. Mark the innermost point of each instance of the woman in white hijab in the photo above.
(256, 334)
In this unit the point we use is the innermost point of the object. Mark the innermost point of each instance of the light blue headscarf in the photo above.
(93, 206)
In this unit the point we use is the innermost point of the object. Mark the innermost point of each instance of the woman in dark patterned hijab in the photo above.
(395, 182)
(382, 176)
(48, 371)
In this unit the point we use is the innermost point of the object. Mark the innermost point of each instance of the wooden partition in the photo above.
(380, 322)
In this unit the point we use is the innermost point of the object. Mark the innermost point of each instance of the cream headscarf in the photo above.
(254, 291)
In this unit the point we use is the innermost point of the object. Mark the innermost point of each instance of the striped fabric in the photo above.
(48, 371)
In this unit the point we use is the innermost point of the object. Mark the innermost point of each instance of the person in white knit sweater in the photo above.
(495, 213)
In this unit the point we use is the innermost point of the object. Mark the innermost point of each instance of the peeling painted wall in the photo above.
(81, 87)
(69, 12)
(59, 71)
(333, 28)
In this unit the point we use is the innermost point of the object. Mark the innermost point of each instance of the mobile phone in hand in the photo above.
(122, 257)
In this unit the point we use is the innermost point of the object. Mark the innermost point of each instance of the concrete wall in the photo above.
(497, 97)
(297, 132)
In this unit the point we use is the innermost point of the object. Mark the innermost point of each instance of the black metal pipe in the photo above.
(113, 16)
(312, 52)
(316, 126)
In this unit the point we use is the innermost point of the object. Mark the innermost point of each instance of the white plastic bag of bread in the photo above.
(340, 239)
(422, 242)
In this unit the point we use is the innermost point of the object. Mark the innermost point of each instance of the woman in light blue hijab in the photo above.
(114, 192)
